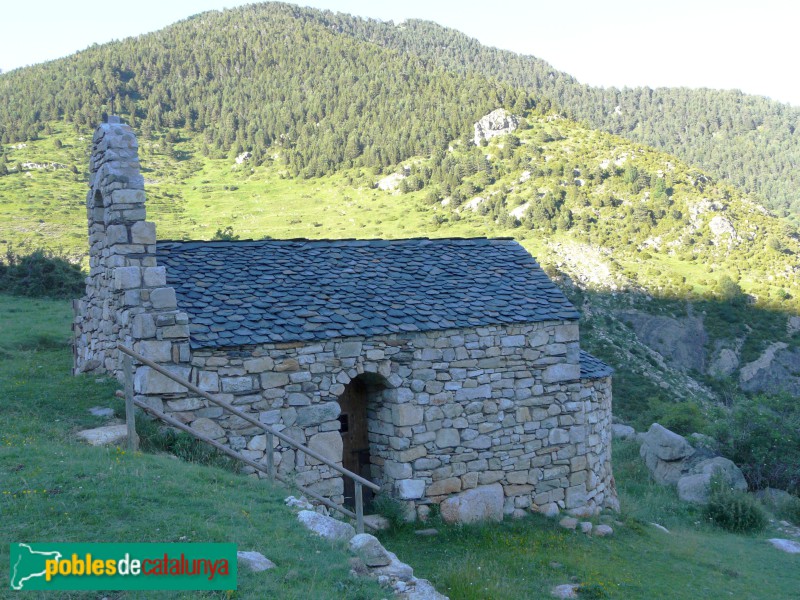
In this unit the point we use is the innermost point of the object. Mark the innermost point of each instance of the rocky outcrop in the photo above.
(497, 122)
(680, 341)
(776, 370)
(672, 460)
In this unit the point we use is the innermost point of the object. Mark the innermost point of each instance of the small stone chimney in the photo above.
(127, 299)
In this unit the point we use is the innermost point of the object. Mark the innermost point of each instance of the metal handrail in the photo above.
(270, 468)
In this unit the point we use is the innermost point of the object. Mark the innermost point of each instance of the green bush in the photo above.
(40, 274)
(391, 508)
(789, 510)
(733, 510)
(762, 435)
(155, 437)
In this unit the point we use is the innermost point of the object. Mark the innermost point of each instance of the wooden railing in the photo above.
(271, 433)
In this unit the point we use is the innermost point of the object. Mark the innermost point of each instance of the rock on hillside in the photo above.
(776, 370)
(680, 341)
(497, 122)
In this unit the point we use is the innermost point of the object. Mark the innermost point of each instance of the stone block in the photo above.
(561, 372)
(143, 232)
(148, 381)
(396, 470)
(483, 503)
(404, 415)
(328, 444)
(127, 278)
(410, 489)
(127, 196)
(208, 428)
(155, 277)
(185, 404)
(567, 333)
(348, 349)
(317, 413)
(480, 392)
(272, 380)
(208, 381)
(116, 234)
(447, 438)
(558, 436)
(447, 486)
(512, 341)
(259, 365)
(156, 350)
(163, 298)
(236, 384)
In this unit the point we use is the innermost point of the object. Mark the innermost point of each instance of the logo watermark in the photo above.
(68, 566)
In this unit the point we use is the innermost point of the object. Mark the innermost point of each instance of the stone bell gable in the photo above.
(127, 299)
(437, 368)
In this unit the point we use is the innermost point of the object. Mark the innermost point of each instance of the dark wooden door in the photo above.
(355, 436)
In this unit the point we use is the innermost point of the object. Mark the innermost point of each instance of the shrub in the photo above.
(155, 437)
(733, 510)
(40, 274)
(762, 436)
(391, 508)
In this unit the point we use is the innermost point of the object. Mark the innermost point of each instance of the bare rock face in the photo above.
(369, 549)
(497, 122)
(484, 503)
(775, 371)
(680, 341)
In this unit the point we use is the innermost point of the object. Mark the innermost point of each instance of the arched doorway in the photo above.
(354, 428)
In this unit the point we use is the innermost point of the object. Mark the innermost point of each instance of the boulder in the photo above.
(789, 546)
(369, 550)
(567, 590)
(694, 488)
(665, 453)
(326, 527)
(105, 436)
(622, 432)
(729, 471)
(396, 569)
(422, 589)
(255, 561)
(376, 522)
(102, 411)
(603, 531)
(479, 504)
(568, 523)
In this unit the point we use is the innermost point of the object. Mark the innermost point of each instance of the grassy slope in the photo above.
(53, 488)
(527, 558)
(192, 196)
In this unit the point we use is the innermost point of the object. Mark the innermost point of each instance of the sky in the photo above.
(725, 44)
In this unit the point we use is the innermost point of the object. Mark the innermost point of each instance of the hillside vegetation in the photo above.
(327, 106)
(54, 488)
(333, 90)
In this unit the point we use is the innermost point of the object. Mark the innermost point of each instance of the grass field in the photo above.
(53, 488)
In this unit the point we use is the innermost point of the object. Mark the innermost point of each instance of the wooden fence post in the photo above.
(130, 416)
(270, 457)
(359, 497)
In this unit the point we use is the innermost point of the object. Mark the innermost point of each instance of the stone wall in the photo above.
(448, 411)
(127, 300)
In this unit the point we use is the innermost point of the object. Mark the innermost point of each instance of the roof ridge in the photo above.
(333, 240)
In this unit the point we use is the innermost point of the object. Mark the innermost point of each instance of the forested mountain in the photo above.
(305, 82)
(751, 141)
(260, 77)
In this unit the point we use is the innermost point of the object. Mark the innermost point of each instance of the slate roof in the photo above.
(252, 292)
(593, 368)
